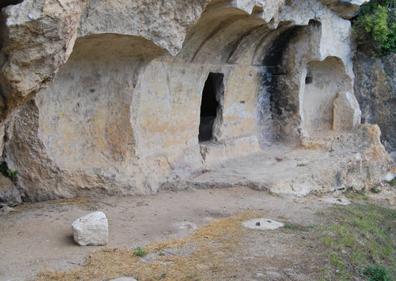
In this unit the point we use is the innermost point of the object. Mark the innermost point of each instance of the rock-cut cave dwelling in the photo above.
(254, 93)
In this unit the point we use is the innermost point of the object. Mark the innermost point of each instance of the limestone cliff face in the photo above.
(375, 88)
(107, 96)
(37, 36)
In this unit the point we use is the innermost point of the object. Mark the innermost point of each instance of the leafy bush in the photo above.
(375, 27)
(139, 252)
(377, 273)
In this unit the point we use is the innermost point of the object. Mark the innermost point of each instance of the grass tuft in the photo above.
(139, 252)
(357, 237)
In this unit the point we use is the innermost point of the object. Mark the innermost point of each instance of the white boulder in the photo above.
(91, 230)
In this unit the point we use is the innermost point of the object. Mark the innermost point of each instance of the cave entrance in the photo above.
(211, 107)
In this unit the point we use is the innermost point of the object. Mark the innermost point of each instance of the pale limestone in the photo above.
(262, 224)
(38, 38)
(9, 192)
(91, 230)
(346, 114)
(122, 114)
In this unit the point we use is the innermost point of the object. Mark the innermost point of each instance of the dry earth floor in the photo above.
(201, 224)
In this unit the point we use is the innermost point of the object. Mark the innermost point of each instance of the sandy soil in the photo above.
(37, 237)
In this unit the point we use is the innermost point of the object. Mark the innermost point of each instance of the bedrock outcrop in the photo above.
(127, 97)
(37, 38)
(375, 88)
(345, 8)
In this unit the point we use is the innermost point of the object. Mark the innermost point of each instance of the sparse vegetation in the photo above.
(206, 259)
(375, 27)
(361, 242)
(139, 252)
(356, 195)
(356, 242)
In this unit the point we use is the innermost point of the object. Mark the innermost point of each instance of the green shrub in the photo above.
(375, 27)
(139, 252)
(377, 273)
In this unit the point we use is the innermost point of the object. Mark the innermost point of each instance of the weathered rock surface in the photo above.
(262, 224)
(354, 159)
(9, 193)
(123, 113)
(91, 230)
(37, 38)
(346, 113)
(345, 8)
(375, 89)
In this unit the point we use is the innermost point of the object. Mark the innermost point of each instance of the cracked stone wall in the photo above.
(375, 89)
(116, 108)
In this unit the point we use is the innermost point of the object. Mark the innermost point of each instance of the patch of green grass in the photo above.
(355, 238)
(139, 252)
(356, 195)
(377, 273)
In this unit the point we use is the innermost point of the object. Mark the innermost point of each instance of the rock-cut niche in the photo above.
(323, 81)
(85, 115)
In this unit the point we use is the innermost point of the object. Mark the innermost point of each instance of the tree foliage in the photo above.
(375, 27)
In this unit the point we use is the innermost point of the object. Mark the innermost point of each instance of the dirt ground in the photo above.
(37, 237)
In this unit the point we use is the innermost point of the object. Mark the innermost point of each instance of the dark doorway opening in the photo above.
(211, 107)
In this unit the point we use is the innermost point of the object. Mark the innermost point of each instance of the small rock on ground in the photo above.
(91, 230)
